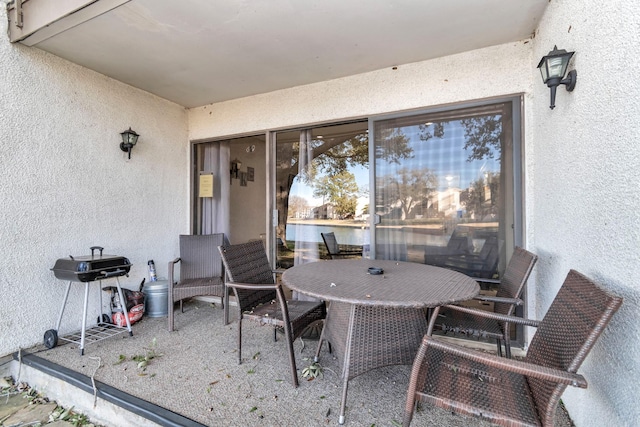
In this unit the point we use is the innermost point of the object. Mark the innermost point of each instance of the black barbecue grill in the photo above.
(87, 269)
(91, 268)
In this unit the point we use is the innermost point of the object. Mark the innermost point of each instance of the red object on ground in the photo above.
(135, 314)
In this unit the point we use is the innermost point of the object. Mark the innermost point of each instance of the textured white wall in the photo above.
(585, 199)
(499, 70)
(66, 185)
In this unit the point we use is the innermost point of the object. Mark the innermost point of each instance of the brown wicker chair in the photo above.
(510, 392)
(252, 280)
(334, 250)
(459, 244)
(482, 265)
(466, 321)
(201, 272)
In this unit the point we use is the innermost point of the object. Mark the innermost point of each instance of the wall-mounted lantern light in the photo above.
(553, 67)
(235, 168)
(129, 139)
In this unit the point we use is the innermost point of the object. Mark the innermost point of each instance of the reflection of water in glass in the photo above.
(311, 233)
(360, 235)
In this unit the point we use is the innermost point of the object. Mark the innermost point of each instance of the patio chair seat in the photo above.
(492, 392)
(195, 287)
(469, 322)
(299, 314)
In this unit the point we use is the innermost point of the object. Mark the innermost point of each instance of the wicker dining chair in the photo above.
(252, 280)
(333, 248)
(512, 392)
(201, 272)
(459, 244)
(481, 265)
(467, 321)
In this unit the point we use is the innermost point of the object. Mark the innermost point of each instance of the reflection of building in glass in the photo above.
(303, 213)
(449, 202)
(325, 211)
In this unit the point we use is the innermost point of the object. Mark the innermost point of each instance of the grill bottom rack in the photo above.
(102, 330)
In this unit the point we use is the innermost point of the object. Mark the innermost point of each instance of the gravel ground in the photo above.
(194, 371)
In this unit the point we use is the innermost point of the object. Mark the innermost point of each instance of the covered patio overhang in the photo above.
(196, 53)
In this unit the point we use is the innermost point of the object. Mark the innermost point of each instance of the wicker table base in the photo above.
(376, 320)
(387, 336)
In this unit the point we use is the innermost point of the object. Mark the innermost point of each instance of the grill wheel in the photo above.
(51, 338)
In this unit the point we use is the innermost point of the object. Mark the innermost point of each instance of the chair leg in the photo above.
(292, 359)
(499, 345)
(507, 346)
(170, 314)
(408, 413)
(411, 404)
(316, 358)
(240, 341)
(225, 306)
(181, 309)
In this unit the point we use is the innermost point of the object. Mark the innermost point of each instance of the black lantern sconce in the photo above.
(553, 68)
(129, 139)
(235, 168)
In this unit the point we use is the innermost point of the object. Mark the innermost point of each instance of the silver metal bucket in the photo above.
(156, 298)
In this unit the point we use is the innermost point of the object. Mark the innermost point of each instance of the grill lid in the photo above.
(91, 267)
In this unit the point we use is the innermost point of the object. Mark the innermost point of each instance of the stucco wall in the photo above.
(585, 196)
(66, 185)
(489, 72)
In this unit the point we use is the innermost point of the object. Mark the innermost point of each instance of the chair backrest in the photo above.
(330, 242)
(248, 263)
(490, 256)
(576, 318)
(514, 278)
(200, 257)
(459, 243)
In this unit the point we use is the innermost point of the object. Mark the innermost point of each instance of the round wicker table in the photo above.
(376, 320)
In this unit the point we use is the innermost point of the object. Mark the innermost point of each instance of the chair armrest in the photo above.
(255, 286)
(170, 274)
(490, 281)
(350, 251)
(470, 262)
(489, 298)
(511, 365)
(495, 316)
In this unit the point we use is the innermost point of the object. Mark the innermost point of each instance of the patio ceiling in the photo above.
(196, 52)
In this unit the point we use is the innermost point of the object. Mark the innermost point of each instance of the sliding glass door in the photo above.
(321, 186)
(445, 187)
(436, 187)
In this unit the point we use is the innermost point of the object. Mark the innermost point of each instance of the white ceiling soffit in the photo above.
(197, 52)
